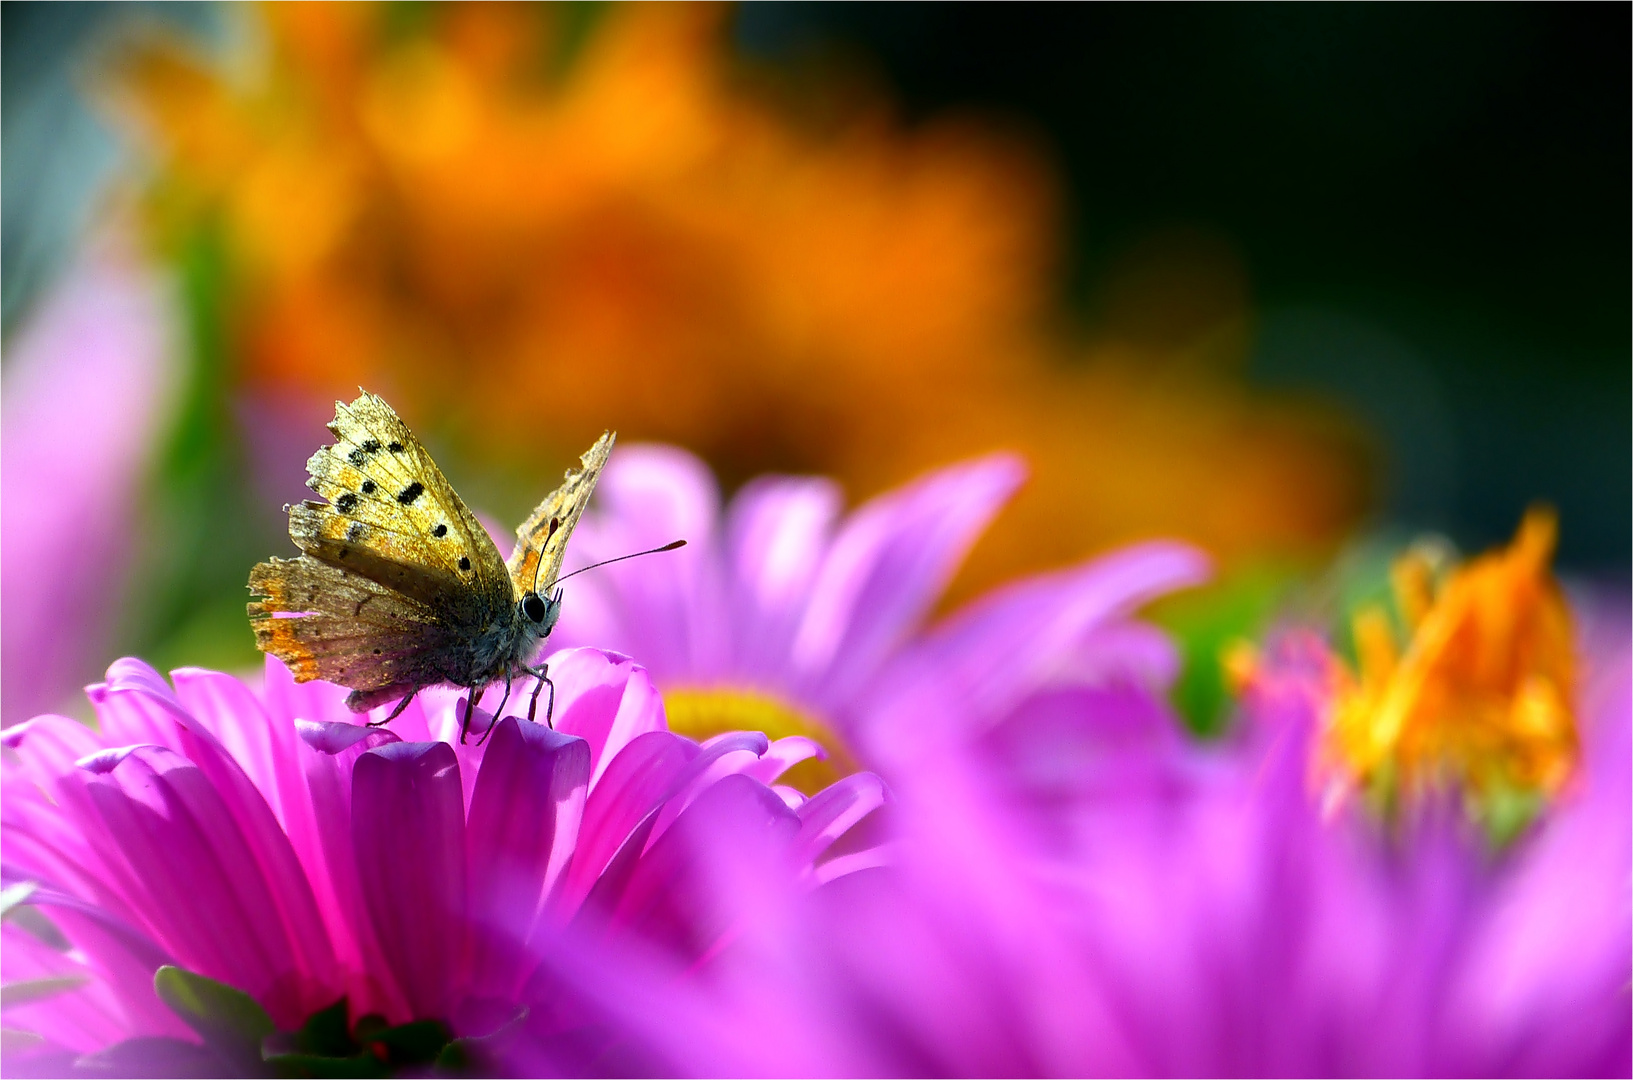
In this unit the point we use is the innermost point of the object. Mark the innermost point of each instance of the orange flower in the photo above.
(524, 232)
(1481, 692)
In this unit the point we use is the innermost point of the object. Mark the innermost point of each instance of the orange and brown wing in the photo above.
(326, 622)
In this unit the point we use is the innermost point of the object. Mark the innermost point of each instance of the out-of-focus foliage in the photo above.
(524, 224)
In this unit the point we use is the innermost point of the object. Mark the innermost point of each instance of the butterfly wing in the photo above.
(397, 577)
(541, 540)
(392, 517)
(327, 622)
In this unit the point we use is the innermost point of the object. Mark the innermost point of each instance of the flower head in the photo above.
(1482, 690)
(268, 841)
(784, 615)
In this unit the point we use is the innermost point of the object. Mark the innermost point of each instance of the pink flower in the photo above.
(86, 386)
(1177, 909)
(782, 610)
(267, 840)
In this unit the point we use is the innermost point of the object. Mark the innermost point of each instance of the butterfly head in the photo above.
(539, 613)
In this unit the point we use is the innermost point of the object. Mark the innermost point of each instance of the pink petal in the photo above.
(197, 884)
(889, 562)
(828, 814)
(777, 530)
(680, 893)
(781, 756)
(724, 755)
(408, 836)
(135, 688)
(84, 1018)
(667, 609)
(327, 755)
(94, 350)
(634, 785)
(524, 821)
(605, 699)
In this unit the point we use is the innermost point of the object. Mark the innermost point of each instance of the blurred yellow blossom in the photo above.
(1482, 690)
(524, 231)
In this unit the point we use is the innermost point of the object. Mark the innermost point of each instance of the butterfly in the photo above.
(398, 586)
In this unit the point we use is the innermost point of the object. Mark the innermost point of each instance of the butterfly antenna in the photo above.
(671, 546)
(555, 523)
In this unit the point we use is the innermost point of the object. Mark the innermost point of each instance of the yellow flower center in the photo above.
(700, 713)
(1480, 691)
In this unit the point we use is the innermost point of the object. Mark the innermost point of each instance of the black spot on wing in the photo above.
(464, 563)
(346, 503)
(408, 494)
(371, 446)
(368, 487)
(394, 446)
(440, 530)
(354, 532)
(357, 457)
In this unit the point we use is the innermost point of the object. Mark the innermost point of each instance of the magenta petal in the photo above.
(261, 743)
(777, 529)
(327, 755)
(826, 816)
(781, 756)
(408, 834)
(655, 768)
(524, 821)
(128, 719)
(123, 958)
(681, 892)
(633, 786)
(134, 687)
(670, 610)
(48, 746)
(890, 561)
(84, 1018)
(722, 756)
(605, 699)
(206, 899)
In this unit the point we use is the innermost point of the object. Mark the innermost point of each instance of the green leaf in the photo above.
(326, 1034)
(322, 1065)
(228, 1019)
(469, 1056)
(29, 990)
(417, 1042)
(12, 895)
(153, 1055)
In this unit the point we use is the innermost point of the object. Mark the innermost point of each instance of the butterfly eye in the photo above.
(533, 607)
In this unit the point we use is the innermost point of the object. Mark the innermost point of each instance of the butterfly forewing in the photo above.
(391, 516)
(541, 540)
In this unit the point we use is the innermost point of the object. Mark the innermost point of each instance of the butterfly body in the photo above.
(398, 586)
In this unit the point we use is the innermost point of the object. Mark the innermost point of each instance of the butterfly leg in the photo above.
(497, 715)
(398, 711)
(542, 673)
(472, 700)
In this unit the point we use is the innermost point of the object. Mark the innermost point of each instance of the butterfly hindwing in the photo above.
(542, 538)
(392, 517)
(326, 622)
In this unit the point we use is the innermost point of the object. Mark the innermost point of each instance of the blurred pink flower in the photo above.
(1176, 909)
(270, 841)
(86, 383)
(782, 611)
